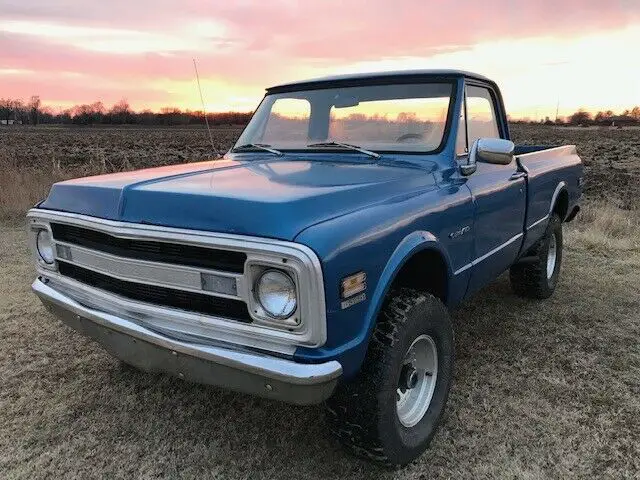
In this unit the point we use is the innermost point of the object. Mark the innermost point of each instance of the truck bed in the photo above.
(550, 169)
(526, 149)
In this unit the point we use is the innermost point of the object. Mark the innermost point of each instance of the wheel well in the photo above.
(426, 271)
(562, 205)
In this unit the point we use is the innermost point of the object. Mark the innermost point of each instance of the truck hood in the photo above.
(274, 198)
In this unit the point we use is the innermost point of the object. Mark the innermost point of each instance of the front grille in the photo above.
(194, 256)
(216, 306)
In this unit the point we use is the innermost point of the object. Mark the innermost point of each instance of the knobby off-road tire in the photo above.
(537, 275)
(363, 413)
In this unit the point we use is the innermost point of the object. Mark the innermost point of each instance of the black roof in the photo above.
(351, 79)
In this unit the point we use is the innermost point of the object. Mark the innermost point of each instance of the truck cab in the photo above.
(317, 261)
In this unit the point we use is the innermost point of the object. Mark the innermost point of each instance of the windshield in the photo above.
(402, 117)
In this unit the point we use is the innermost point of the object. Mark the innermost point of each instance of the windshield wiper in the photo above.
(259, 146)
(348, 146)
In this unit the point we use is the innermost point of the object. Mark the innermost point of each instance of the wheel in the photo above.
(390, 411)
(537, 275)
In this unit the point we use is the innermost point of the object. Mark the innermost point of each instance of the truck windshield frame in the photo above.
(409, 118)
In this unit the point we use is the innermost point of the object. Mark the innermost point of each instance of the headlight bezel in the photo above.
(288, 279)
(47, 257)
(34, 228)
(258, 268)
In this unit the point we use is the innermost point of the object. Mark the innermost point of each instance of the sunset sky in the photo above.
(583, 52)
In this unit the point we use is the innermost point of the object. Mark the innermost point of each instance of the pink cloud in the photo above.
(268, 40)
(30, 53)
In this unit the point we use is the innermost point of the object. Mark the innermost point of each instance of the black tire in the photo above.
(362, 413)
(529, 277)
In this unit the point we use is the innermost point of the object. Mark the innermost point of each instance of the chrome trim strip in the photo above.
(462, 269)
(298, 259)
(488, 254)
(142, 271)
(264, 365)
(537, 222)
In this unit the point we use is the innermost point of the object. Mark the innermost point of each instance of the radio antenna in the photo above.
(204, 111)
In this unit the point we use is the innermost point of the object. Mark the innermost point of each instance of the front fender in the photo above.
(351, 354)
(378, 241)
(410, 245)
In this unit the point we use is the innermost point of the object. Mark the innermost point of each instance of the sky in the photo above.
(580, 53)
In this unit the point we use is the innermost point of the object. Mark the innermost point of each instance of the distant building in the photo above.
(10, 122)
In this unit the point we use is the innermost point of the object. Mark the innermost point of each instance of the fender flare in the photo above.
(554, 198)
(411, 244)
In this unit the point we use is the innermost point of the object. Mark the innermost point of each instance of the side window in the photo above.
(288, 122)
(481, 115)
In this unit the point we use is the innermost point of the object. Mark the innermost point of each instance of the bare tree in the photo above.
(579, 117)
(34, 109)
(20, 114)
(5, 109)
(121, 112)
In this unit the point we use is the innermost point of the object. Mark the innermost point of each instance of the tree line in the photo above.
(32, 112)
(629, 117)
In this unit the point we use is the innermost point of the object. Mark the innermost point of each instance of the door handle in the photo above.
(518, 175)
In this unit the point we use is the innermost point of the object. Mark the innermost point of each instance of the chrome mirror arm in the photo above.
(468, 168)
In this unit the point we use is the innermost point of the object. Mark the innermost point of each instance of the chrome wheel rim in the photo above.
(417, 382)
(551, 256)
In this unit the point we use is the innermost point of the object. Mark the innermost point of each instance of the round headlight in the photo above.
(276, 292)
(45, 248)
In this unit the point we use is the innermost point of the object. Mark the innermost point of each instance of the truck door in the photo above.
(498, 192)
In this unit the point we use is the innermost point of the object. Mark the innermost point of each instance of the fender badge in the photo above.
(459, 233)
(353, 301)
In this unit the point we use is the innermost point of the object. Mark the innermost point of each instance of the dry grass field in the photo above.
(542, 389)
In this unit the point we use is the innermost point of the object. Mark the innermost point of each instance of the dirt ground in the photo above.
(542, 390)
(611, 157)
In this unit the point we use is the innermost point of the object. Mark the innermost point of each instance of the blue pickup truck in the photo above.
(318, 259)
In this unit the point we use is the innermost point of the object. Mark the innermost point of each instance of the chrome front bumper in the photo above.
(239, 370)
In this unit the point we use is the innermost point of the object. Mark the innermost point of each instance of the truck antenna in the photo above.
(204, 111)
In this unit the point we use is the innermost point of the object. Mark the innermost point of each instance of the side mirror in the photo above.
(495, 150)
(489, 150)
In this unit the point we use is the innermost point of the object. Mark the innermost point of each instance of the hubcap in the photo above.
(417, 380)
(551, 256)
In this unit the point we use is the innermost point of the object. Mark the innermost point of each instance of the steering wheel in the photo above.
(410, 136)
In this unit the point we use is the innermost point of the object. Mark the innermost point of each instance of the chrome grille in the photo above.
(169, 297)
(154, 251)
